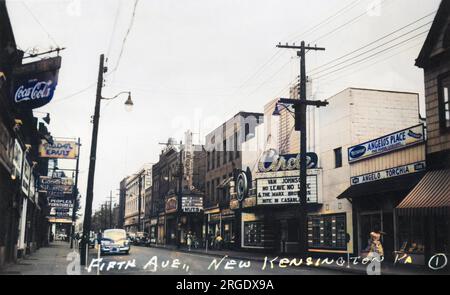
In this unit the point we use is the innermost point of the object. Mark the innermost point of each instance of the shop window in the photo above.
(444, 101)
(252, 234)
(224, 152)
(411, 234)
(441, 233)
(338, 158)
(327, 232)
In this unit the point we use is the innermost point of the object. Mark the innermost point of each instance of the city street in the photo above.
(219, 138)
(161, 262)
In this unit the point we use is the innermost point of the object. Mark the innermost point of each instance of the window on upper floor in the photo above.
(224, 148)
(338, 158)
(444, 101)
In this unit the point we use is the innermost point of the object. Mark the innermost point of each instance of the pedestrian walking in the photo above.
(189, 240)
(219, 241)
(375, 247)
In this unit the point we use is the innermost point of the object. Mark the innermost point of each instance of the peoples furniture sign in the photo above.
(59, 150)
(58, 202)
(192, 204)
(35, 83)
(274, 163)
(282, 188)
(389, 173)
(388, 143)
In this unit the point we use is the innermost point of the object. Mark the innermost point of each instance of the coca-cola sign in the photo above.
(35, 83)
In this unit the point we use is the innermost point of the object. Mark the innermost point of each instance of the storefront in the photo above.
(223, 223)
(185, 219)
(383, 172)
(161, 233)
(270, 214)
(153, 230)
(423, 218)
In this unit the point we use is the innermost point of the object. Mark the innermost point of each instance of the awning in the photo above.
(431, 196)
(379, 187)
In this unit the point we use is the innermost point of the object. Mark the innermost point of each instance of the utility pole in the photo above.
(300, 106)
(139, 201)
(110, 209)
(75, 195)
(92, 160)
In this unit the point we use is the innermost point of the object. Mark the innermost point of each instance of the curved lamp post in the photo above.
(93, 154)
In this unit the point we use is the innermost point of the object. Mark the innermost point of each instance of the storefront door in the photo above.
(368, 222)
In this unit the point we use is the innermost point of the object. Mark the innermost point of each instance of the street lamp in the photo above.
(93, 155)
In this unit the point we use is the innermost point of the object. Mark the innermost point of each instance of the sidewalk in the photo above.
(49, 260)
(360, 269)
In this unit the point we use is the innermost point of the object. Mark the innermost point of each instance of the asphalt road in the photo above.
(157, 261)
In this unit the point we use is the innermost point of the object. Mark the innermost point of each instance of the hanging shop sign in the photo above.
(282, 188)
(26, 174)
(17, 159)
(388, 173)
(192, 204)
(171, 205)
(60, 202)
(249, 202)
(388, 143)
(59, 150)
(35, 83)
(52, 184)
(241, 186)
(59, 220)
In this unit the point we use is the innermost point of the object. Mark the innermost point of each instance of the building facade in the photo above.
(23, 223)
(269, 213)
(424, 213)
(224, 162)
(136, 186)
(178, 193)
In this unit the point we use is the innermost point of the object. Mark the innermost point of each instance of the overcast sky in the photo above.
(193, 64)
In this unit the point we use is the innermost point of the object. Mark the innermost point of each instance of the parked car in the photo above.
(141, 239)
(131, 237)
(114, 241)
(61, 236)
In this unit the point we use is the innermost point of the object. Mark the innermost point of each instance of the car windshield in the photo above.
(114, 235)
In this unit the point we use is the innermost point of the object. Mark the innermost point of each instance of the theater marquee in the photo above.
(281, 188)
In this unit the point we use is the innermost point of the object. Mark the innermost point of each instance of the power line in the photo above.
(116, 18)
(347, 23)
(276, 55)
(373, 42)
(370, 50)
(375, 54)
(127, 34)
(40, 24)
(327, 20)
(372, 64)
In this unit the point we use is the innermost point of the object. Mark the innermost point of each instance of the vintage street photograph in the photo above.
(230, 143)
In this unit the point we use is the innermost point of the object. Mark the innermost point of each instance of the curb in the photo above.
(337, 269)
